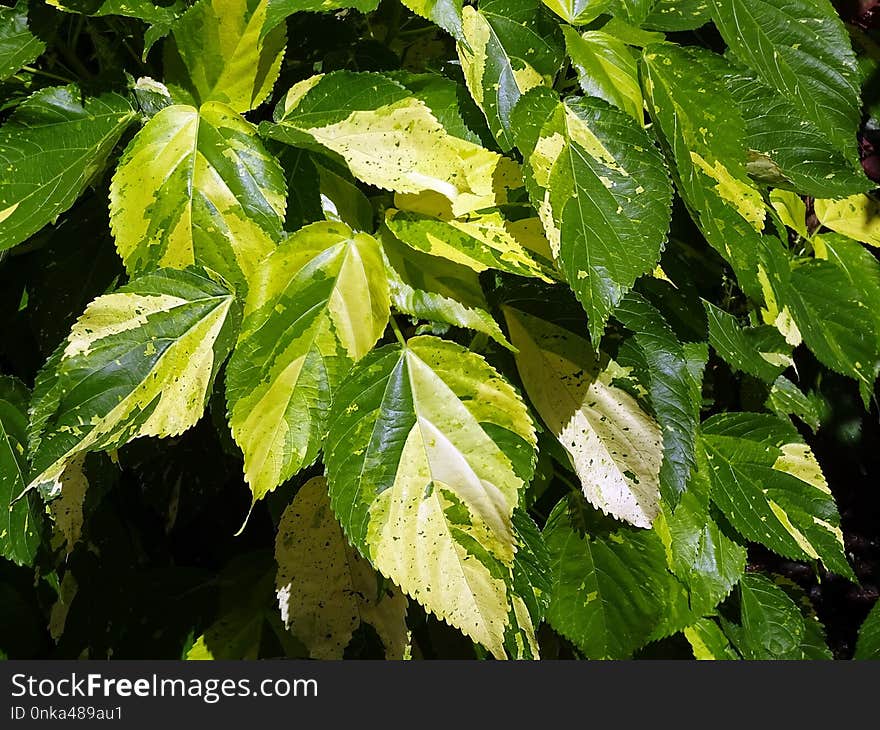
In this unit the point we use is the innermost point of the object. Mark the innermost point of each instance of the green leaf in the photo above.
(674, 381)
(769, 485)
(438, 290)
(508, 47)
(607, 69)
(602, 192)
(611, 588)
(703, 131)
(772, 625)
(51, 148)
(147, 10)
(699, 552)
(868, 646)
(226, 51)
(786, 399)
(678, 15)
(785, 148)
(342, 200)
(578, 12)
(18, 46)
(857, 216)
(278, 10)
(196, 186)
(801, 50)
(760, 351)
(390, 139)
(424, 446)
(708, 642)
(22, 523)
(319, 303)
(835, 302)
(445, 13)
(488, 239)
(325, 589)
(614, 446)
(139, 362)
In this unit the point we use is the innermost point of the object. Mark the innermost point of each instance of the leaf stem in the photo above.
(397, 333)
(47, 74)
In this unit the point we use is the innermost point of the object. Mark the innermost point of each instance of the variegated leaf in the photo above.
(318, 304)
(391, 139)
(427, 453)
(614, 446)
(703, 131)
(602, 192)
(769, 485)
(196, 186)
(225, 50)
(325, 589)
(436, 289)
(484, 240)
(138, 362)
(507, 48)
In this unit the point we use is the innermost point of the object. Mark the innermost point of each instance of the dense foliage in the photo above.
(495, 330)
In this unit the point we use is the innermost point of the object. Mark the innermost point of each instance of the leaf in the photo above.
(325, 588)
(868, 646)
(857, 216)
(428, 287)
(319, 303)
(51, 148)
(801, 50)
(767, 482)
(607, 69)
(18, 46)
(162, 14)
(226, 51)
(708, 641)
(678, 15)
(488, 239)
(508, 47)
(760, 351)
(792, 211)
(835, 302)
(601, 190)
(278, 10)
(674, 380)
(614, 446)
(67, 508)
(445, 13)
(703, 132)
(390, 139)
(578, 12)
(447, 99)
(138, 362)
(772, 625)
(785, 148)
(424, 447)
(21, 528)
(196, 186)
(699, 552)
(611, 587)
(786, 399)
